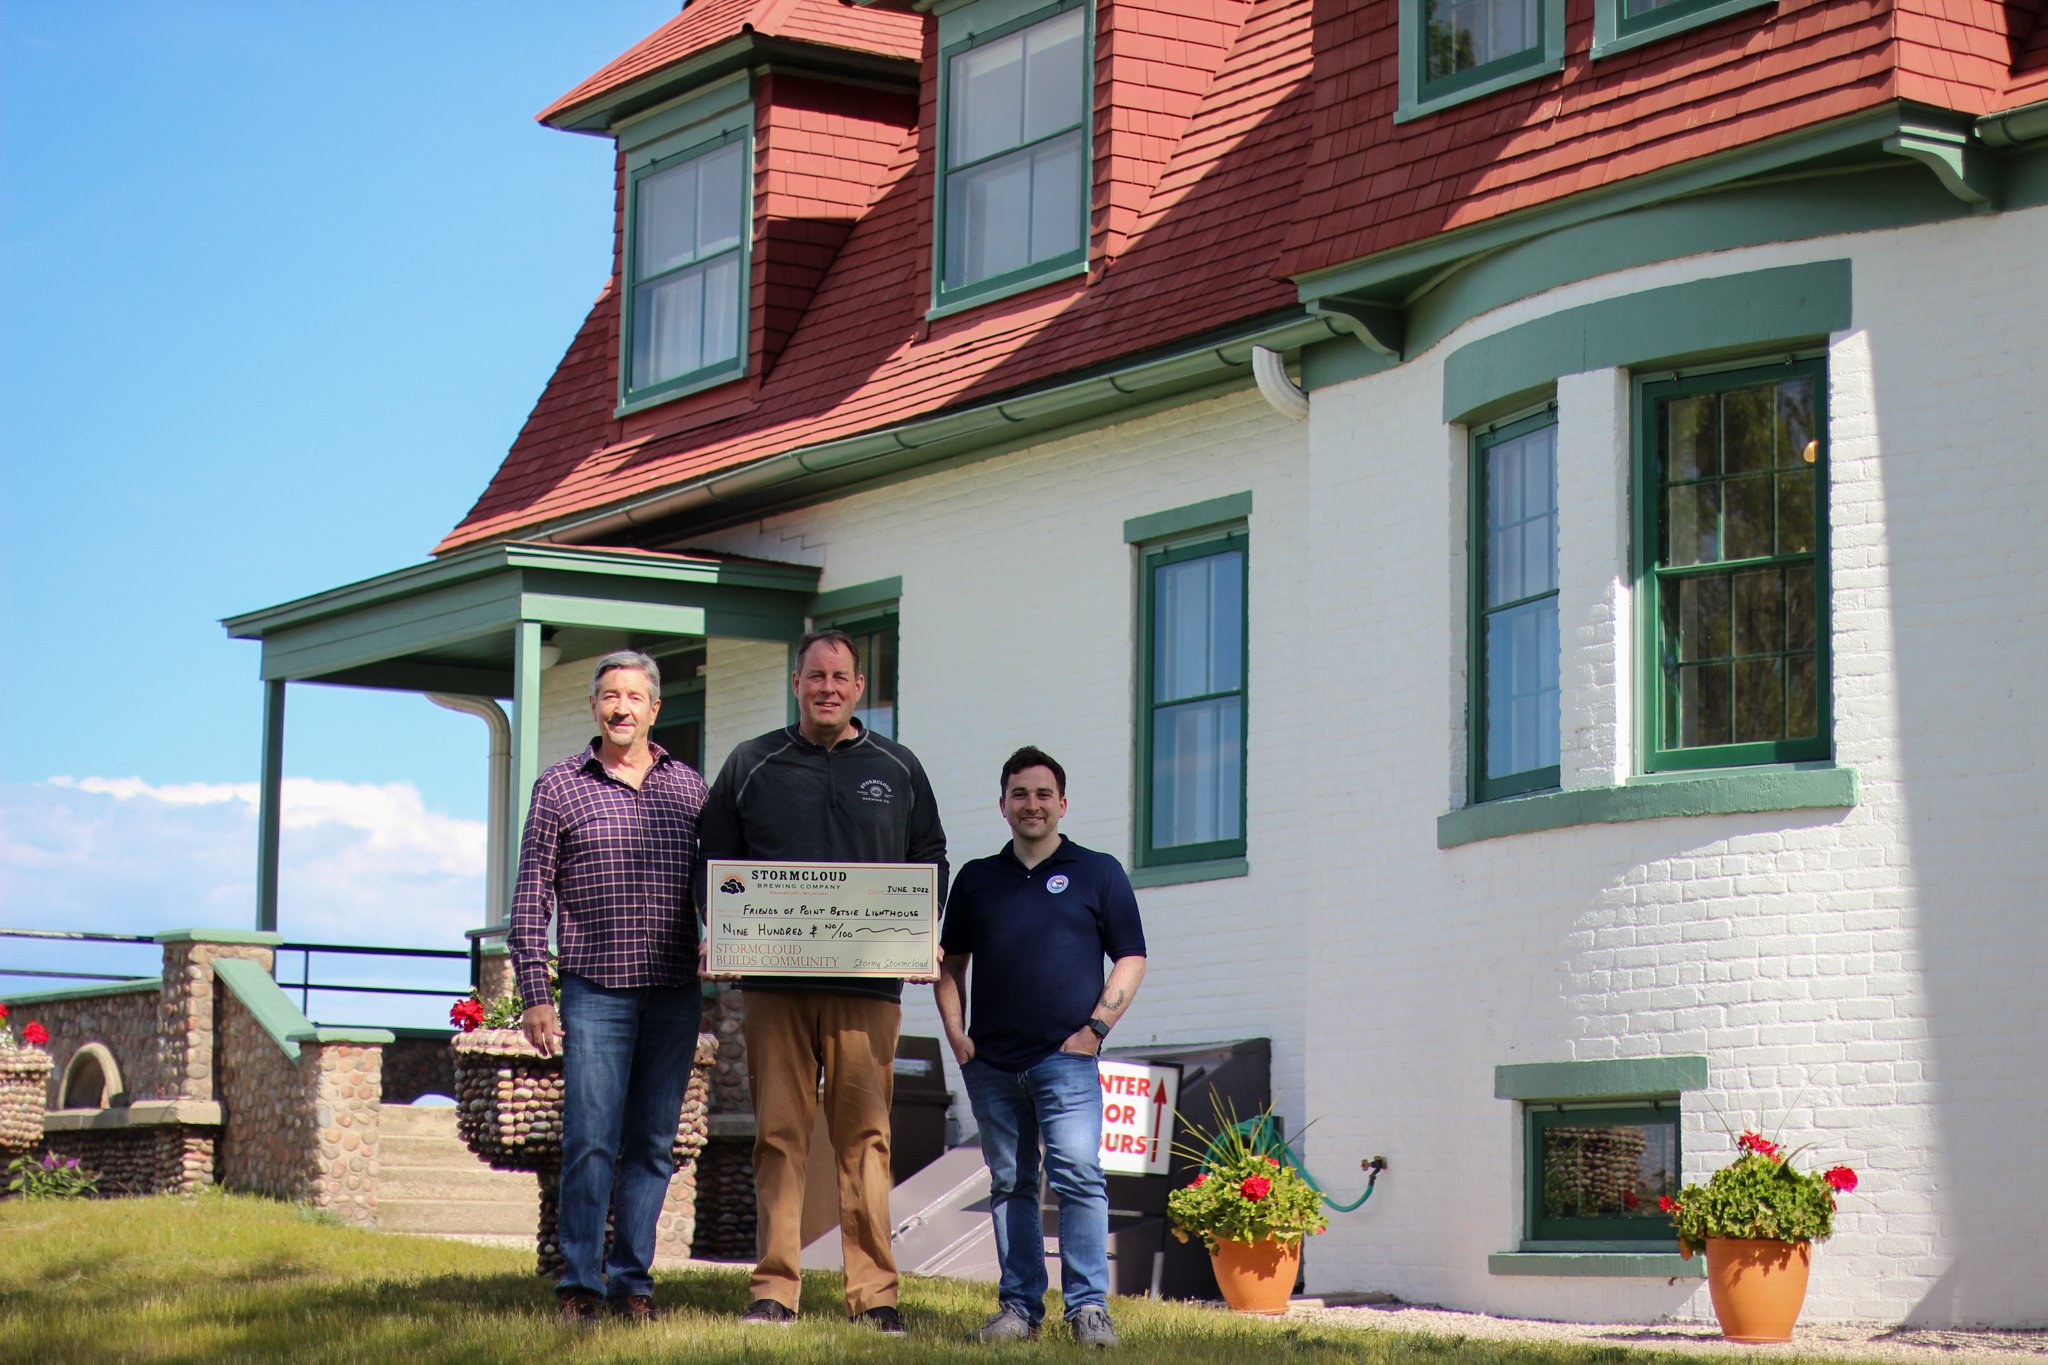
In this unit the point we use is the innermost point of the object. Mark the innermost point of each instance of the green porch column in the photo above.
(269, 807)
(526, 756)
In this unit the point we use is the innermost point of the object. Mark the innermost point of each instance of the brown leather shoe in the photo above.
(637, 1309)
(578, 1307)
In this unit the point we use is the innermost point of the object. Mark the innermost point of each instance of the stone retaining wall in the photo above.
(162, 1160)
(124, 1024)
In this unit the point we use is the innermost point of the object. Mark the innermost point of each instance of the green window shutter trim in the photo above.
(1727, 315)
(1625, 1077)
(1694, 793)
(1194, 517)
(1598, 1264)
(837, 602)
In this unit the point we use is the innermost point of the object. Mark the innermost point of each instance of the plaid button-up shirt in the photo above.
(616, 863)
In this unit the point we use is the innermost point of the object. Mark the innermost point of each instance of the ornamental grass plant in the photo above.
(1759, 1196)
(1244, 1190)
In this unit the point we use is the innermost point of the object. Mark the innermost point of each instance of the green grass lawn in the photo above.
(227, 1277)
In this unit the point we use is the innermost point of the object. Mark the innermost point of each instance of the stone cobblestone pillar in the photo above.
(342, 1086)
(186, 1046)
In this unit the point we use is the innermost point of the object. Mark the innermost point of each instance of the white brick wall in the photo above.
(1869, 978)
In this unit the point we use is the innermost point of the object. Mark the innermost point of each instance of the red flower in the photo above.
(1272, 1161)
(1667, 1204)
(3, 1011)
(35, 1035)
(466, 1014)
(1255, 1187)
(1196, 1183)
(1628, 1199)
(1840, 1178)
(1758, 1143)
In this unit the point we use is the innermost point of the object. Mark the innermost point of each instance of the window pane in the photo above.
(1748, 423)
(1690, 449)
(1696, 618)
(1198, 627)
(1522, 688)
(1759, 612)
(720, 192)
(1055, 75)
(1692, 524)
(1802, 696)
(878, 659)
(1759, 700)
(1521, 516)
(985, 100)
(1056, 190)
(1467, 33)
(1797, 532)
(1746, 520)
(1795, 423)
(721, 310)
(1800, 624)
(668, 320)
(665, 224)
(1609, 1170)
(988, 220)
(1197, 772)
(1702, 702)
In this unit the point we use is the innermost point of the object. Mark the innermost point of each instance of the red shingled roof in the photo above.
(704, 24)
(1239, 143)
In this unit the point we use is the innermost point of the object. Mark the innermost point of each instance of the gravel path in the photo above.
(1835, 1341)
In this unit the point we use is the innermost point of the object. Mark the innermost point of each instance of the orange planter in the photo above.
(1758, 1286)
(1257, 1277)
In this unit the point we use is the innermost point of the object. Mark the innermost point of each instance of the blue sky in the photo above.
(278, 284)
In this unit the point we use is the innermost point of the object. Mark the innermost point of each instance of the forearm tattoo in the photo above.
(1112, 1000)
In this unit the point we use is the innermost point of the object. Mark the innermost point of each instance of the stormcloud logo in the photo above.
(875, 789)
(733, 886)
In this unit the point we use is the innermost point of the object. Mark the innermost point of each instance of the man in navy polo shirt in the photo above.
(1038, 918)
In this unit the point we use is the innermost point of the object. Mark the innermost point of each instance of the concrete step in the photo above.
(434, 1182)
(416, 1120)
(443, 1153)
(466, 1217)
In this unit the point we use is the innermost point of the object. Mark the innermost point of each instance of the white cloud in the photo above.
(359, 862)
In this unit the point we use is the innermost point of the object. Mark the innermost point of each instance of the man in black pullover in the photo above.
(823, 790)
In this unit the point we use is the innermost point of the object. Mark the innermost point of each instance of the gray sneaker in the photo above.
(1092, 1327)
(1008, 1325)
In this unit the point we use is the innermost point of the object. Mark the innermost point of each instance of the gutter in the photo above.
(2014, 127)
(1074, 405)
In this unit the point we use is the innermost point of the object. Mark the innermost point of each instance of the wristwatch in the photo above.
(1097, 1027)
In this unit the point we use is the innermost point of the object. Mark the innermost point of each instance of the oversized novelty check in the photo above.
(823, 919)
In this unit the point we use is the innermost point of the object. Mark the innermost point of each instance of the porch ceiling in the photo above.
(451, 625)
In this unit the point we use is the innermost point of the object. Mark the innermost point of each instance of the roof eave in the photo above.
(602, 113)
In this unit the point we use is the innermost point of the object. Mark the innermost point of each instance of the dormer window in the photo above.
(1014, 102)
(688, 220)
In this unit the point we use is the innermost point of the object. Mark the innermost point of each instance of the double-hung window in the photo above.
(1013, 202)
(1732, 479)
(1622, 24)
(1514, 703)
(687, 225)
(1191, 714)
(875, 639)
(1454, 50)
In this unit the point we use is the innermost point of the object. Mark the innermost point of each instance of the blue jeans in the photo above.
(1059, 1102)
(626, 1058)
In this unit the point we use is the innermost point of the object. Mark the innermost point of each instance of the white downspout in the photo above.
(1270, 369)
(497, 907)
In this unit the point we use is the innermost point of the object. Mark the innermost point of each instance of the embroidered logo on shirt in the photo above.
(1056, 883)
(875, 789)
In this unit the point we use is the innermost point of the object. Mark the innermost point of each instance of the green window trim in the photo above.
(1802, 573)
(999, 19)
(1419, 95)
(1617, 29)
(1790, 787)
(1485, 784)
(721, 127)
(1604, 1079)
(1152, 559)
(1645, 1228)
(1183, 874)
(1200, 516)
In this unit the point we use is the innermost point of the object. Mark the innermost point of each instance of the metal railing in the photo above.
(305, 985)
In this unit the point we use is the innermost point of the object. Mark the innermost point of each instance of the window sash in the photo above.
(876, 637)
(1015, 170)
(1598, 1170)
(1516, 693)
(1526, 16)
(686, 266)
(1732, 531)
(1193, 709)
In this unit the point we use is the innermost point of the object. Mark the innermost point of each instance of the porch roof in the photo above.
(450, 625)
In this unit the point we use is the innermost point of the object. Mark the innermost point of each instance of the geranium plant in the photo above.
(1759, 1196)
(472, 1012)
(1243, 1191)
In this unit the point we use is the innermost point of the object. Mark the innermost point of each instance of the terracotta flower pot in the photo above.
(1257, 1277)
(1758, 1286)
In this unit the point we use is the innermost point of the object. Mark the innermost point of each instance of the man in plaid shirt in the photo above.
(609, 844)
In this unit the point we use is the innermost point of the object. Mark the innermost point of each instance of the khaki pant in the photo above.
(791, 1037)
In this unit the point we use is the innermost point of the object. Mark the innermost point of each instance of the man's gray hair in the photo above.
(627, 658)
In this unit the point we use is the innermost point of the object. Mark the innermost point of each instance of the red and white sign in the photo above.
(1137, 1116)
